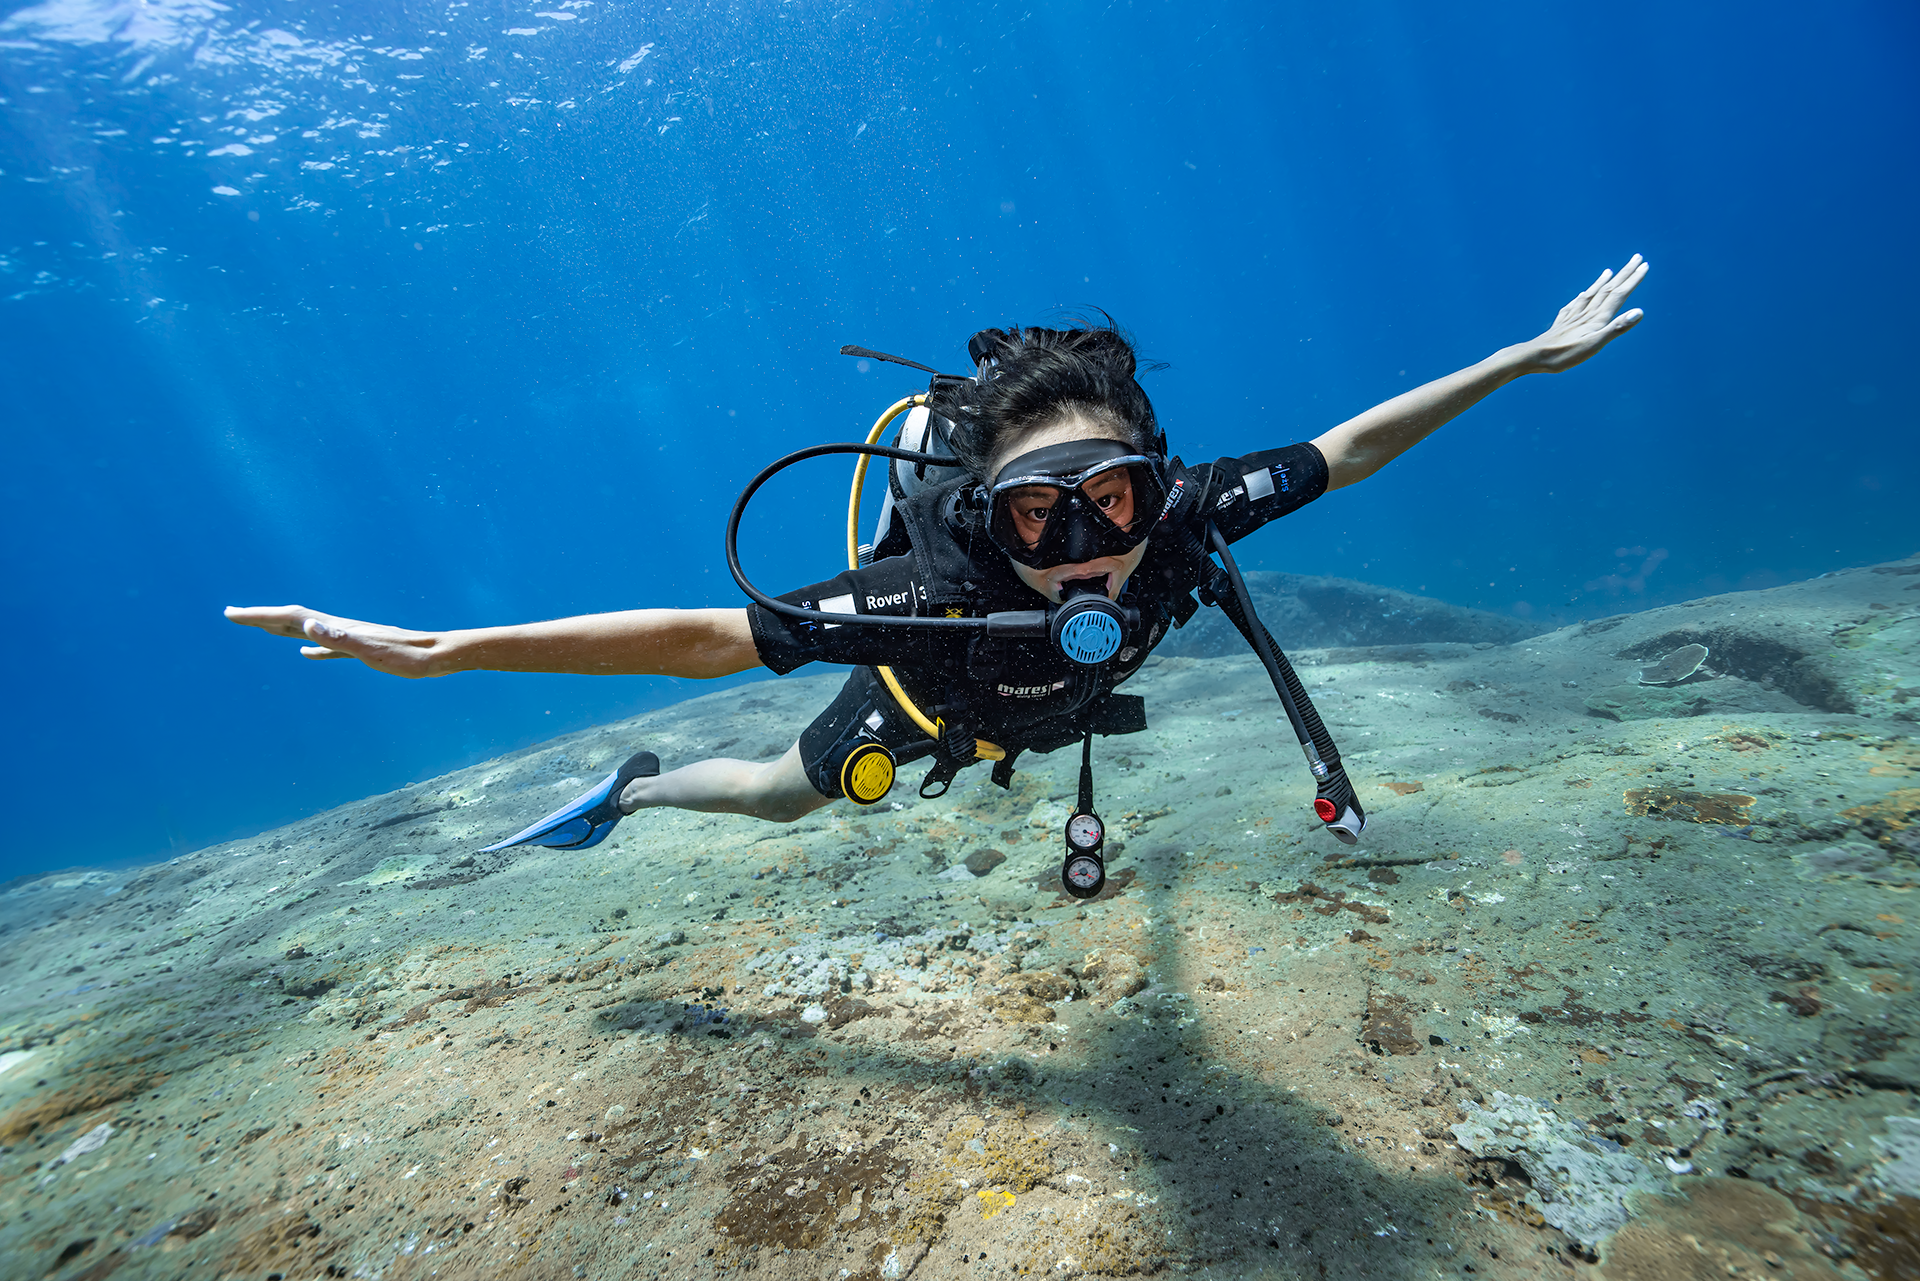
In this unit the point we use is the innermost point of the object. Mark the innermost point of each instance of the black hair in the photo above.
(1028, 377)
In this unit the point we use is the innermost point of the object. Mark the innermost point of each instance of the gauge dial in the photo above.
(1084, 872)
(1085, 832)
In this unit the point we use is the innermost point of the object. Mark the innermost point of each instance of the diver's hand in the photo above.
(394, 650)
(1586, 324)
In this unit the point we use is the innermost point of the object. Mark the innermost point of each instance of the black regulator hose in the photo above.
(789, 610)
(1334, 804)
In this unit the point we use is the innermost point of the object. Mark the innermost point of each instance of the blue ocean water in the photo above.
(444, 315)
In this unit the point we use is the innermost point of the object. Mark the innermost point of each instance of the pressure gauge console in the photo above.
(1084, 873)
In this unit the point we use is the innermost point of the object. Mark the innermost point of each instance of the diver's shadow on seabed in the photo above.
(1153, 1141)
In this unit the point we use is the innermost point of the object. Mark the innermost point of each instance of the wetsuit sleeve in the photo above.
(1246, 493)
(884, 587)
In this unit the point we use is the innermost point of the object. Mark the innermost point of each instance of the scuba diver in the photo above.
(1036, 542)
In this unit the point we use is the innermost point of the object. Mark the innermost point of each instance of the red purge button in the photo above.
(1326, 809)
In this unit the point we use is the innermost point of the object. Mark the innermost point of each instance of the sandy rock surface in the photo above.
(1609, 953)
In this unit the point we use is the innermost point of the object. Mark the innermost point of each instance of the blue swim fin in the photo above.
(586, 820)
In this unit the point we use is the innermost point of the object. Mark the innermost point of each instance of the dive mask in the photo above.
(1076, 501)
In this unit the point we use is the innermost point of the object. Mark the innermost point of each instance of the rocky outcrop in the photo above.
(1304, 611)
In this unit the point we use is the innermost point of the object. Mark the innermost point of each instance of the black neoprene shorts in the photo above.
(863, 712)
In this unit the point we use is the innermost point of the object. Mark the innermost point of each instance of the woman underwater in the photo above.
(1067, 491)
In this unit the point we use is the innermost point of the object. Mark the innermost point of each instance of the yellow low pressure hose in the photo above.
(893, 411)
(987, 751)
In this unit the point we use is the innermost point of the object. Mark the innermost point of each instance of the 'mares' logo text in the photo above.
(1030, 691)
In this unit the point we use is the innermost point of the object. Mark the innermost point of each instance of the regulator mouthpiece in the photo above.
(1086, 626)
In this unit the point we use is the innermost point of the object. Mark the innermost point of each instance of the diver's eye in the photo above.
(1112, 495)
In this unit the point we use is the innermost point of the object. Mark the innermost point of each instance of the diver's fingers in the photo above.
(1630, 277)
(1624, 283)
(1593, 310)
(281, 620)
(386, 649)
(1583, 302)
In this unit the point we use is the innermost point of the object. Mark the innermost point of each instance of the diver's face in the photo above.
(1032, 506)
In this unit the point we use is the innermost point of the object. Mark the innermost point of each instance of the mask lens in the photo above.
(1022, 516)
(1113, 496)
(1043, 518)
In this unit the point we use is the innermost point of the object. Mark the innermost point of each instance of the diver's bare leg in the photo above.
(777, 791)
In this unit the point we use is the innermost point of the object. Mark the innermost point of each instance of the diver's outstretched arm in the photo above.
(693, 643)
(1361, 446)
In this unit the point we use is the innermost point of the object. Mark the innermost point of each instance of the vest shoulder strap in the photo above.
(936, 530)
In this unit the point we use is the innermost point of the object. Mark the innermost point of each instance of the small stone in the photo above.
(980, 862)
(91, 1141)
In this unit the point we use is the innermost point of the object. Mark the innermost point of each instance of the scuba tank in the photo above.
(924, 432)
